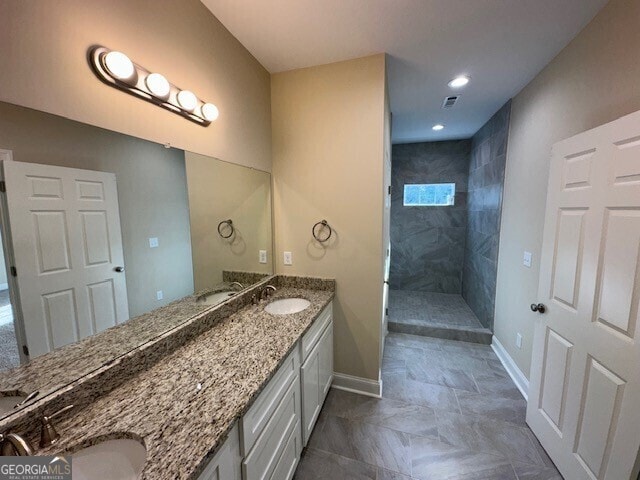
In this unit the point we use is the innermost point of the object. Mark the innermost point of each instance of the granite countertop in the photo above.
(66, 364)
(184, 406)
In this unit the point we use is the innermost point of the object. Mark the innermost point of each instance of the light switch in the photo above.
(262, 256)
(526, 260)
(153, 242)
(159, 295)
(288, 258)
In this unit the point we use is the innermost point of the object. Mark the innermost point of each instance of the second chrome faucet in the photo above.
(265, 293)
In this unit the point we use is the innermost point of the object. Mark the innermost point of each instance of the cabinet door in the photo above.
(326, 362)
(286, 466)
(310, 393)
(226, 463)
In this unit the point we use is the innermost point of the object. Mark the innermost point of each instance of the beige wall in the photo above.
(594, 80)
(152, 193)
(220, 191)
(327, 164)
(43, 47)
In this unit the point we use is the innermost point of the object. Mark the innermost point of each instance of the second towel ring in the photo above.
(322, 224)
(229, 223)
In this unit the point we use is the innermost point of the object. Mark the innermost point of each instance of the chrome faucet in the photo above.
(267, 291)
(12, 445)
(48, 433)
(28, 398)
(237, 284)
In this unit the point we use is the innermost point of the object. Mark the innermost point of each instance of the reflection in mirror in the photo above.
(230, 210)
(106, 239)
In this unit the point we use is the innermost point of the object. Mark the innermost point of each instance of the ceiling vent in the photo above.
(449, 102)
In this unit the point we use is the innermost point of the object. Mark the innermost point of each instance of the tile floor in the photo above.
(449, 412)
(442, 315)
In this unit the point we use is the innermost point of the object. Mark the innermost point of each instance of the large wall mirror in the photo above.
(108, 241)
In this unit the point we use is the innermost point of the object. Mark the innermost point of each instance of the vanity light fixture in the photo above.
(120, 66)
(459, 82)
(158, 85)
(116, 69)
(187, 100)
(209, 111)
(437, 127)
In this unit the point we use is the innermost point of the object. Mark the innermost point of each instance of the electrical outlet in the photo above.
(518, 340)
(288, 258)
(153, 242)
(526, 259)
(262, 254)
(159, 295)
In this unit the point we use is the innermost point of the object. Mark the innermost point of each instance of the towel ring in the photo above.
(229, 223)
(322, 224)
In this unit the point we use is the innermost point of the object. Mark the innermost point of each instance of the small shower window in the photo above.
(430, 195)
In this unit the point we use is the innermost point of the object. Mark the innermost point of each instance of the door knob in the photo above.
(119, 269)
(538, 307)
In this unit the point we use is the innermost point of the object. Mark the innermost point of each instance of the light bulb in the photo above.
(209, 111)
(459, 82)
(119, 66)
(187, 100)
(158, 85)
(437, 127)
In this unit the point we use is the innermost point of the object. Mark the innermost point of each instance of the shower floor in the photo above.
(440, 315)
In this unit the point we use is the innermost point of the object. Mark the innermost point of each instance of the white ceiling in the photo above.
(501, 44)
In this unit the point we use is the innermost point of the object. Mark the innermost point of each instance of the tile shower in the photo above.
(444, 258)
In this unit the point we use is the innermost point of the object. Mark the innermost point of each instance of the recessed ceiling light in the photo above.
(437, 127)
(459, 82)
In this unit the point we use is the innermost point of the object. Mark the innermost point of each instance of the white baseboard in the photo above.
(363, 386)
(4, 286)
(510, 366)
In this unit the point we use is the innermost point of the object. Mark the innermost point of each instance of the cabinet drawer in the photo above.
(313, 335)
(262, 459)
(286, 466)
(226, 463)
(254, 421)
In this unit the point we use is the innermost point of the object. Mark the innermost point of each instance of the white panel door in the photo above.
(67, 246)
(584, 402)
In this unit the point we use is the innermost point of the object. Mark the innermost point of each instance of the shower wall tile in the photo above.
(486, 186)
(428, 243)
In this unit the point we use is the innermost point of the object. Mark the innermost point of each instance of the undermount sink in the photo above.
(287, 306)
(119, 459)
(215, 298)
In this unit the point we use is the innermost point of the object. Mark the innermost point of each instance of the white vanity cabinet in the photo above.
(317, 369)
(267, 442)
(270, 433)
(226, 463)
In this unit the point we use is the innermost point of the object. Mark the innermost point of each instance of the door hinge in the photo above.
(14, 271)
(390, 189)
(3, 186)
(386, 312)
(25, 350)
